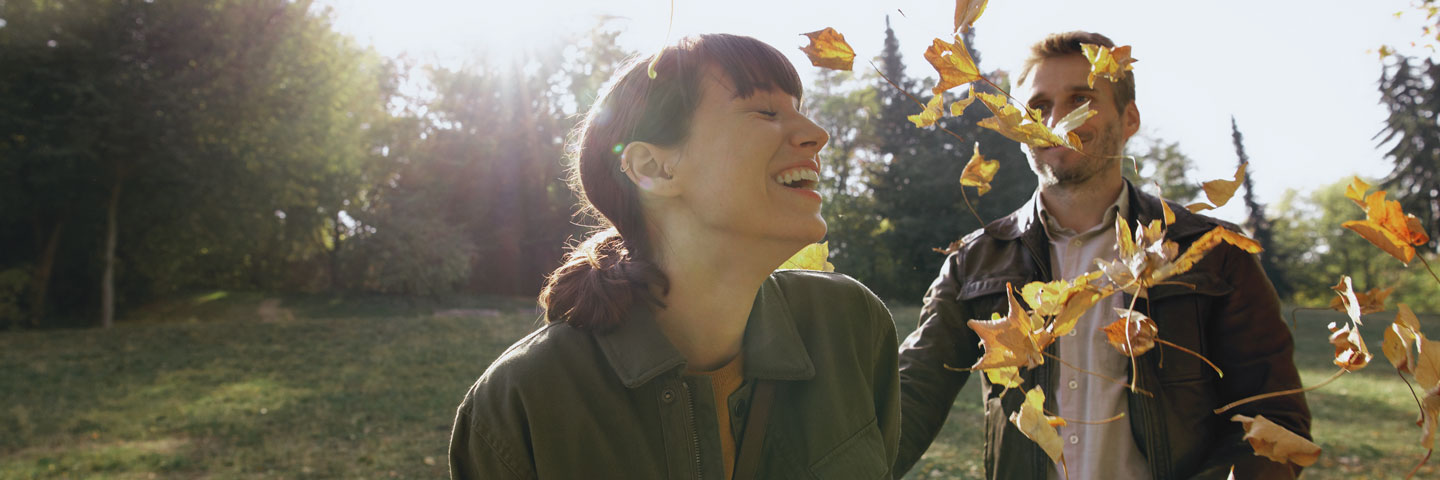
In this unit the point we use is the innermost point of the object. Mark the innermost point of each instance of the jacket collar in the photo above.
(1143, 208)
(638, 350)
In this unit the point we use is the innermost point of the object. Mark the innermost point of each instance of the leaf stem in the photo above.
(1418, 405)
(972, 208)
(1280, 393)
(917, 102)
(1192, 352)
(1432, 274)
(1134, 369)
(1413, 471)
(1081, 370)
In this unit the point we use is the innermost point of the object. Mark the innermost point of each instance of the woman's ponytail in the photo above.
(599, 283)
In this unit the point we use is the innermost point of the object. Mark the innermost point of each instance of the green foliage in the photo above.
(1316, 251)
(13, 284)
(1412, 95)
(1161, 163)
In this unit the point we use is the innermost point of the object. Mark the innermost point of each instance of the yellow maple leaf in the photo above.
(1401, 339)
(1108, 63)
(1008, 377)
(813, 257)
(979, 172)
(1015, 340)
(1387, 226)
(967, 12)
(1355, 191)
(828, 49)
(1219, 191)
(1276, 442)
(953, 62)
(958, 108)
(1064, 300)
(1032, 421)
(1022, 125)
(934, 109)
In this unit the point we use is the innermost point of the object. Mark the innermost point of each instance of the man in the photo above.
(1223, 308)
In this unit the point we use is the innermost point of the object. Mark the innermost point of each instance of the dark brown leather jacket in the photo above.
(1232, 316)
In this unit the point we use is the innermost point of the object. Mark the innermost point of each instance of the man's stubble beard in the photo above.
(1103, 158)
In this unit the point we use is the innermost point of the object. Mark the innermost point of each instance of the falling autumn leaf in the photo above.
(1219, 191)
(1040, 428)
(1387, 226)
(1368, 302)
(967, 12)
(1022, 125)
(812, 257)
(1008, 377)
(1064, 301)
(932, 113)
(828, 49)
(958, 108)
(1351, 353)
(1355, 191)
(1351, 305)
(1108, 63)
(1401, 339)
(1277, 443)
(1015, 340)
(979, 172)
(954, 63)
(1132, 332)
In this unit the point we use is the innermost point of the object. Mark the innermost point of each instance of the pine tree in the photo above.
(1255, 221)
(917, 189)
(1412, 95)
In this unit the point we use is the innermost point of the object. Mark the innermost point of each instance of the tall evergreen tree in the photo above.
(1255, 221)
(917, 190)
(1412, 95)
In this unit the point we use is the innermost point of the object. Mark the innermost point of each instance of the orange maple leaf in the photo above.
(828, 49)
(1148, 259)
(1133, 332)
(1016, 340)
(1021, 125)
(979, 172)
(1277, 443)
(1401, 340)
(1370, 302)
(1219, 191)
(954, 63)
(967, 12)
(1386, 225)
(1063, 301)
(1108, 63)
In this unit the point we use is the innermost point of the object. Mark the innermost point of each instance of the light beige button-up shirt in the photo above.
(1105, 451)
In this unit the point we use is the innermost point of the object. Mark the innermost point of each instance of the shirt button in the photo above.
(1074, 439)
(1074, 384)
(1075, 243)
(1073, 333)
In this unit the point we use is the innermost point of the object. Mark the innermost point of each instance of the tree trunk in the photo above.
(40, 281)
(107, 281)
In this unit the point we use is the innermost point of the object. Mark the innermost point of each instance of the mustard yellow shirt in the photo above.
(724, 381)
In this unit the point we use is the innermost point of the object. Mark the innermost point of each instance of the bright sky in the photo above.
(1298, 75)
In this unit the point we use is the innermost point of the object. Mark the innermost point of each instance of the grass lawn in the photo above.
(208, 390)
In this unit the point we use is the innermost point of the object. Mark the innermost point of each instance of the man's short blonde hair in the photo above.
(1068, 43)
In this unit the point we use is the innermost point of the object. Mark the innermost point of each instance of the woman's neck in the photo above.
(713, 283)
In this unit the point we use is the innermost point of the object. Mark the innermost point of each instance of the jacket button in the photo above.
(668, 395)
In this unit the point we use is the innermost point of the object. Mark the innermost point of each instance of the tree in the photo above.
(917, 191)
(1256, 223)
(1412, 96)
(1316, 250)
(1161, 163)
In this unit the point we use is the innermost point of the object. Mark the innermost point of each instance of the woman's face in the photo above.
(749, 165)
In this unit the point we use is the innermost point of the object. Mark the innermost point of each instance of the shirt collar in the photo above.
(1120, 208)
(638, 350)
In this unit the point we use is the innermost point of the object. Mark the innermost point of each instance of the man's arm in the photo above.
(927, 388)
(1252, 345)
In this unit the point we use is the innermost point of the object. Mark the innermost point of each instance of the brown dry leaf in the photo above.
(979, 172)
(1017, 340)
(1032, 421)
(1132, 331)
(1429, 413)
(967, 12)
(1108, 63)
(1219, 191)
(932, 113)
(1351, 353)
(1277, 443)
(954, 63)
(1389, 228)
(1350, 305)
(1401, 340)
(1370, 302)
(828, 49)
(1148, 259)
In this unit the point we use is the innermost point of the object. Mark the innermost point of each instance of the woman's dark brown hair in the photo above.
(604, 276)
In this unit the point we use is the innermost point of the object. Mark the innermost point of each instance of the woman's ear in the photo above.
(651, 168)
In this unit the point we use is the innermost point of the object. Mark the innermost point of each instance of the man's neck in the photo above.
(1081, 207)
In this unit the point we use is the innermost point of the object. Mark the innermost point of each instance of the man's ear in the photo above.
(1131, 119)
(651, 168)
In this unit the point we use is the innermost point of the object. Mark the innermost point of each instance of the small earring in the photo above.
(624, 167)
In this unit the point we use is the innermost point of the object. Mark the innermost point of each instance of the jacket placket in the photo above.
(688, 455)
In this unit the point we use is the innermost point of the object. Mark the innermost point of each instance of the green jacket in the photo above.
(568, 403)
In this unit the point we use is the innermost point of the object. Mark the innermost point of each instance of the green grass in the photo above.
(366, 388)
(1364, 422)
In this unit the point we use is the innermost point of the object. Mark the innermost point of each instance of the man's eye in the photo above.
(1080, 99)
(768, 113)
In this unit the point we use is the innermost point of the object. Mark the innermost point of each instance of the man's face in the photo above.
(1056, 87)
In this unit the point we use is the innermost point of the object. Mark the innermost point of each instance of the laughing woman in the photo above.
(673, 348)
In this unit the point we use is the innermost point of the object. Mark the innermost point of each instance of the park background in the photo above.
(267, 238)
